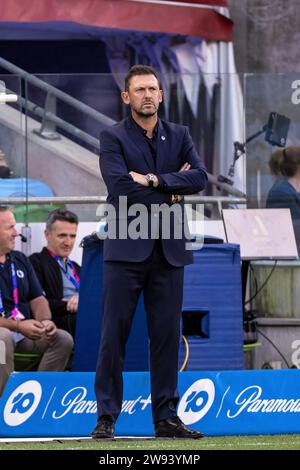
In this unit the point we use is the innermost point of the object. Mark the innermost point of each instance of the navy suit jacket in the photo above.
(124, 148)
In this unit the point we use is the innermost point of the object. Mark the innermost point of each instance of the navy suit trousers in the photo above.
(162, 286)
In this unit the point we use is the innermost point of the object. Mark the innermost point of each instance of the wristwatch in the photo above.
(150, 179)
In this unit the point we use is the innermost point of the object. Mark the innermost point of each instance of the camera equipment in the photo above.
(276, 131)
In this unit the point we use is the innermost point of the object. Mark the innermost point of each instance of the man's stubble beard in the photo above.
(149, 113)
(145, 114)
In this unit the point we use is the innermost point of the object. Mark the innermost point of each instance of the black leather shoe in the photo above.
(174, 427)
(105, 428)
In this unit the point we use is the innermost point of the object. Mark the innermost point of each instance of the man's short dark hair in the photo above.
(60, 214)
(140, 70)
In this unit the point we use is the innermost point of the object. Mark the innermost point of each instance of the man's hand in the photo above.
(176, 198)
(141, 179)
(72, 303)
(50, 328)
(185, 167)
(138, 178)
(32, 329)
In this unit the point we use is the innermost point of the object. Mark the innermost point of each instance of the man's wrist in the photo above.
(152, 180)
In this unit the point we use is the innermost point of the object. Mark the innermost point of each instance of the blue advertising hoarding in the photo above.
(45, 404)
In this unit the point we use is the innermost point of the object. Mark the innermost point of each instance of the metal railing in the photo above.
(56, 92)
(218, 200)
(61, 123)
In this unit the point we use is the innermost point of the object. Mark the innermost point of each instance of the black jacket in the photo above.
(124, 148)
(49, 275)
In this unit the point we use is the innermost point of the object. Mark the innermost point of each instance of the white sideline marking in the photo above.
(49, 439)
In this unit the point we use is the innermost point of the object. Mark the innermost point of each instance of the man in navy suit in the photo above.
(151, 164)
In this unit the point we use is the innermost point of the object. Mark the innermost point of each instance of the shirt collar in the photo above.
(144, 131)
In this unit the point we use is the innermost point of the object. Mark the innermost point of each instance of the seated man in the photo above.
(20, 295)
(4, 169)
(58, 275)
(285, 192)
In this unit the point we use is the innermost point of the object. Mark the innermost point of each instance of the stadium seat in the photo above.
(26, 362)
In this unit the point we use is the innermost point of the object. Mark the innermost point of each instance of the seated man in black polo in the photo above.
(20, 296)
(58, 275)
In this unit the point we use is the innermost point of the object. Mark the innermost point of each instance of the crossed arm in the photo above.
(141, 179)
(121, 181)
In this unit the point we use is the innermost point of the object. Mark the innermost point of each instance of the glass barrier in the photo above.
(13, 149)
(53, 149)
(62, 116)
(272, 135)
(272, 117)
(272, 123)
(241, 125)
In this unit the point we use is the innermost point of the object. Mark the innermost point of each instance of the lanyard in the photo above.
(15, 313)
(74, 278)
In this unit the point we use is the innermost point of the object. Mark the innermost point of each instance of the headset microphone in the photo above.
(23, 238)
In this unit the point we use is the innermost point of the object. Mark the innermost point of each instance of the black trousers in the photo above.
(162, 285)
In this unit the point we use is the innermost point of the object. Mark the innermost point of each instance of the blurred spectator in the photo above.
(4, 169)
(20, 296)
(58, 275)
(285, 193)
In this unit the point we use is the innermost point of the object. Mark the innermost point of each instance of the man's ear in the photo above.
(125, 97)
